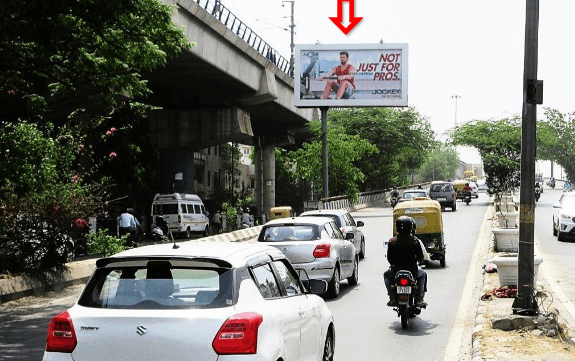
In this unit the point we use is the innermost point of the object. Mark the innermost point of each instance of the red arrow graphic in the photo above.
(352, 19)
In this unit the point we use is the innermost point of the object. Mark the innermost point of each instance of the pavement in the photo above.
(497, 333)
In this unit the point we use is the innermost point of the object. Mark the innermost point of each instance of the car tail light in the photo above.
(238, 335)
(61, 336)
(321, 251)
(403, 282)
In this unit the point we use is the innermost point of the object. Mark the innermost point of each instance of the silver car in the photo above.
(317, 246)
(346, 224)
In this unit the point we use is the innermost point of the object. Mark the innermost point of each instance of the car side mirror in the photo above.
(359, 224)
(349, 236)
(317, 287)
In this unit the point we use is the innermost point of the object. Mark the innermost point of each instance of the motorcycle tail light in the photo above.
(321, 251)
(403, 282)
(403, 298)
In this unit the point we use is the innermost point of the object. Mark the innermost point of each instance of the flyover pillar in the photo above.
(265, 175)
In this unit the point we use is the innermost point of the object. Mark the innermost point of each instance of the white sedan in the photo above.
(201, 301)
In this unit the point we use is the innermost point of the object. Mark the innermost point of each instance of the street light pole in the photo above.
(455, 97)
(292, 45)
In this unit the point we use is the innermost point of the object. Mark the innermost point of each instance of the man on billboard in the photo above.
(340, 79)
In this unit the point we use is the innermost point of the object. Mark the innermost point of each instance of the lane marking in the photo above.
(464, 323)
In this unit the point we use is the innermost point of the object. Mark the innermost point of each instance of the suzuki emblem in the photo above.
(141, 330)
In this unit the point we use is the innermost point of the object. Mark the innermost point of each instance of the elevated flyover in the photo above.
(231, 87)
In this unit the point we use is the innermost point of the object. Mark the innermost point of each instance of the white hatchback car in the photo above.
(317, 246)
(201, 301)
(346, 224)
(564, 217)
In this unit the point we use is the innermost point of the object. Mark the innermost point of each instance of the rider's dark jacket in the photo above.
(404, 253)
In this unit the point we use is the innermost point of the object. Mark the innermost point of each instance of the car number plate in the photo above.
(441, 199)
(404, 289)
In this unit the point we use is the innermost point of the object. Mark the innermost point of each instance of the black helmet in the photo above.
(404, 225)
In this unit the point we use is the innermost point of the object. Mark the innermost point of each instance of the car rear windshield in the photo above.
(158, 286)
(289, 233)
(414, 195)
(438, 187)
(332, 216)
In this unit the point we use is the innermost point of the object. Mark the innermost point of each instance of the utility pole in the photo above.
(455, 97)
(525, 302)
(292, 45)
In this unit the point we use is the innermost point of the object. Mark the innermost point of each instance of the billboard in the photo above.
(350, 75)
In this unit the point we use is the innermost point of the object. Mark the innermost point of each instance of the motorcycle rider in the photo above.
(395, 192)
(404, 253)
(537, 191)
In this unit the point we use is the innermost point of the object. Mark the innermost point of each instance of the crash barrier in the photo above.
(364, 199)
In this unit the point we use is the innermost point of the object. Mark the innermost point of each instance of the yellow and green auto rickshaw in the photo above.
(461, 194)
(427, 216)
(281, 212)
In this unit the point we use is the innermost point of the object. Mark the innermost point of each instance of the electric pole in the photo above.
(292, 45)
(525, 302)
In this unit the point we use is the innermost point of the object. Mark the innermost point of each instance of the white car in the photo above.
(564, 217)
(474, 189)
(317, 246)
(201, 301)
(346, 224)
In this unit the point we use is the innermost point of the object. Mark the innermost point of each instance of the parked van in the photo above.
(184, 213)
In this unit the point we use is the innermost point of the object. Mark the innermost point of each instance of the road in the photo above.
(366, 328)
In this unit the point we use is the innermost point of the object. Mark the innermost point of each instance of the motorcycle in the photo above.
(406, 288)
(537, 194)
(467, 198)
(393, 200)
(551, 183)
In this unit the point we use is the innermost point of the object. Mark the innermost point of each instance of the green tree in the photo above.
(555, 140)
(499, 144)
(403, 139)
(345, 151)
(441, 163)
(73, 69)
(290, 191)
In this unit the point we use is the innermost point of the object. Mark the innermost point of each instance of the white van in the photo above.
(184, 213)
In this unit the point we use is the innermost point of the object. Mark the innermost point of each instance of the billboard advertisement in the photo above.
(350, 75)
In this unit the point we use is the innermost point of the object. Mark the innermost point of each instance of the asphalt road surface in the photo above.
(366, 329)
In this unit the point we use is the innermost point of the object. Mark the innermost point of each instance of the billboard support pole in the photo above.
(324, 151)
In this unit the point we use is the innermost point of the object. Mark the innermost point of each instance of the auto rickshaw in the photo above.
(281, 212)
(461, 194)
(427, 216)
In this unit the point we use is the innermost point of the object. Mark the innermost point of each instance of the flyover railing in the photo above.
(233, 23)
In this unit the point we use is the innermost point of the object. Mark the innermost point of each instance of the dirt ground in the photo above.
(528, 344)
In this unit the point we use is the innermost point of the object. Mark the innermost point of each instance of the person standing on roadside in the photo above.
(128, 224)
(217, 220)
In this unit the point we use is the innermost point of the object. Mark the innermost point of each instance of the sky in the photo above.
(473, 49)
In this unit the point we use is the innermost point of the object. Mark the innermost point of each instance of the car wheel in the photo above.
(328, 348)
(362, 249)
(207, 232)
(454, 206)
(188, 233)
(354, 278)
(560, 237)
(334, 284)
(442, 262)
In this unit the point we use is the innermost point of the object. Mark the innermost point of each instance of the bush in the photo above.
(100, 242)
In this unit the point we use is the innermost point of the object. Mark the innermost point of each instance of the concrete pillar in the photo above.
(265, 175)
(175, 161)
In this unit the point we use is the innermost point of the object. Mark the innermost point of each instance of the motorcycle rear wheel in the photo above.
(403, 313)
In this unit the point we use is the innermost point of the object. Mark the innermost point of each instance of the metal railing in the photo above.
(232, 22)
